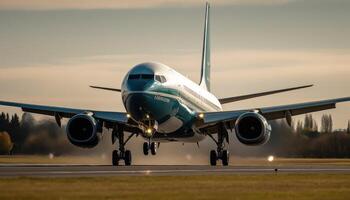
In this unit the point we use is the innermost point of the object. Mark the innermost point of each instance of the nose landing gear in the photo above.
(149, 146)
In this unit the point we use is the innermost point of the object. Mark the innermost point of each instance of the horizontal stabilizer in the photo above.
(250, 96)
(105, 88)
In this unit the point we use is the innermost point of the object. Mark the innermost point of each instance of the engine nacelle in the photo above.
(82, 130)
(252, 129)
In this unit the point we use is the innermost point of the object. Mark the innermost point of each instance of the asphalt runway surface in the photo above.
(42, 170)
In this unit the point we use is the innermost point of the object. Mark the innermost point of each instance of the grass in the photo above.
(265, 186)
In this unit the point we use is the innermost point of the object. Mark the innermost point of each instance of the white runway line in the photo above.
(176, 171)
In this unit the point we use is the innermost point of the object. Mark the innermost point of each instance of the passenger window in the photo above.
(134, 76)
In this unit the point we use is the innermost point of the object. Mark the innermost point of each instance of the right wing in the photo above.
(210, 119)
(249, 96)
(278, 112)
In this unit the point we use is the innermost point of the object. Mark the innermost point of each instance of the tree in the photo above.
(299, 128)
(348, 129)
(326, 124)
(6, 144)
(309, 123)
(310, 129)
(15, 121)
(330, 123)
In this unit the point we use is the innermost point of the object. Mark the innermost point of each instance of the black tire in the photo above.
(127, 157)
(115, 158)
(154, 148)
(213, 157)
(145, 148)
(225, 157)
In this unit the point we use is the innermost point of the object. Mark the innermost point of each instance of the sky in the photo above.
(50, 50)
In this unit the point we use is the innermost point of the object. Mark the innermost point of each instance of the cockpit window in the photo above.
(163, 79)
(147, 76)
(160, 78)
(141, 76)
(134, 76)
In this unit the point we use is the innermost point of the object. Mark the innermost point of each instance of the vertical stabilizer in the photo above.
(205, 71)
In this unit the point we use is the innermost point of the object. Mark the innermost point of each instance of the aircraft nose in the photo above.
(139, 105)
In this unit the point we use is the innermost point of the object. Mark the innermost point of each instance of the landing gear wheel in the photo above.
(225, 157)
(145, 148)
(115, 158)
(213, 157)
(127, 157)
(153, 148)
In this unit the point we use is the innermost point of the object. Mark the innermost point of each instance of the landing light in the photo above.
(201, 115)
(128, 115)
(270, 158)
(149, 131)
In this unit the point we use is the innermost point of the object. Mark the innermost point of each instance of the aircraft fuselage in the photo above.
(164, 101)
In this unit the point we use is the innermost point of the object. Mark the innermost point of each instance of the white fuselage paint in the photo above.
(194, 97)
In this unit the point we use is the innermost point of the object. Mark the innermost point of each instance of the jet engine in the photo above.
(83, 131)
(252, 129)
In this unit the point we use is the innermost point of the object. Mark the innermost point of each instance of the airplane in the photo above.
(164, 106)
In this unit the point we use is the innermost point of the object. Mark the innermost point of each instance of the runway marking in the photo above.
(179, 171)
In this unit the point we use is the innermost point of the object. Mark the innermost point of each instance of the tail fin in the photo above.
(205, 71)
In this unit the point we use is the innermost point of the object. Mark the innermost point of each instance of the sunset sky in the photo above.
(50, 50)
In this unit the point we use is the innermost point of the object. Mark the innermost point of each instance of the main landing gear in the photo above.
(122, 153)
(149, 146)
(220, 153)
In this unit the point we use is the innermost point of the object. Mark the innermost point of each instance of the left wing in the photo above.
(270, 113)
(113, 117)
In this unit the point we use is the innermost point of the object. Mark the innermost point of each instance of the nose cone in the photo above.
(142, 105)
(139, 105)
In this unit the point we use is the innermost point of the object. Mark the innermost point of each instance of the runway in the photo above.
(17, 170)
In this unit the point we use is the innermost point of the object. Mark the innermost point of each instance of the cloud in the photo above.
(120, 4)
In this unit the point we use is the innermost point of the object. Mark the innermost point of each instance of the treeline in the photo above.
(305, 138)
(29, 136)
